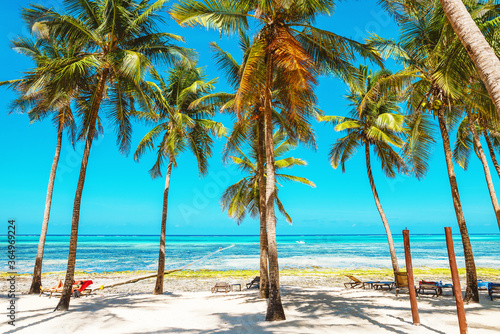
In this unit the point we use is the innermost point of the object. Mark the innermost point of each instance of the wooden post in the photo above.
(462, 322)
(411, 283)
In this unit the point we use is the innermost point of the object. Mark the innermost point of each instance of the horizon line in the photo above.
(232, 235)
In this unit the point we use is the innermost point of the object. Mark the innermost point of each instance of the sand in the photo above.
(312, 305)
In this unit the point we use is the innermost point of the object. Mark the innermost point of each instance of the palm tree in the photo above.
(286, 56)
(468, 138)
(181, 126)
(250, 123)
(473, 40)
(482, 157)
(121, 43)
(492, 146)
(429, 47)
(39, 103)
(486, 119)
(373, 122)
(242, 128)
(243, 197)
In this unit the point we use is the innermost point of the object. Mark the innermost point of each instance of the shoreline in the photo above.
(433, 271)
(203, 280)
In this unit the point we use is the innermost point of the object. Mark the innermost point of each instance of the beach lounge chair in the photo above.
(482, 285)
(446, 286)
(402, 285)
(221, 287)
(431, 286)
(493, 288)
(51, 290)
(383, 284)
(79, 288)
(355, 282)
(255, 282)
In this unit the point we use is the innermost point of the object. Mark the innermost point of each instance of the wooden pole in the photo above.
(462, 322)
(411, 283)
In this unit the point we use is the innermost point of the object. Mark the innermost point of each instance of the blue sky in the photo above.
(121, 198)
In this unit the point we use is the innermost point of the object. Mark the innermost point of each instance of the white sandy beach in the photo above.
(330, 309)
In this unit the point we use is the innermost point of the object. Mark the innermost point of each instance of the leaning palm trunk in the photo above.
(481, 53)
(63, 304)
(161, 257)
(471, 292)
(36, 283)
(492, 152)
(487, 174)
(264, 275)
(392, 250)
(274, 307)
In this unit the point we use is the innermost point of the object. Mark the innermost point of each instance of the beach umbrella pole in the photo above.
(411, 284)
(462, 322)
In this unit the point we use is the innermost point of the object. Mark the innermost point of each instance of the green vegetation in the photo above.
(420, 272)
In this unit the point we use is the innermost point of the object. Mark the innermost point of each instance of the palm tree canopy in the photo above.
(297, 129)
(182, 122)
(376, 122)
(286, 40)
(242, 198)
(120, 42)
(445, 74)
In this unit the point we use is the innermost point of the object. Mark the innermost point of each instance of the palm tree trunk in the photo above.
(492, 152)
(63, 304)
(487, 174)
(392, 250)
(161, 257)
(264, 278)
(274, 307)
(471, 292)
(36, 283)
(481, 53)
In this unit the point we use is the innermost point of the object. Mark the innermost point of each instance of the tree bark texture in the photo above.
(161, 256)
(471, 292)
(36, 282)
(274, 307)
(486, 168)
(481, 53)
(264, 275)
(63, 304)
(392, 249)
(492, 151)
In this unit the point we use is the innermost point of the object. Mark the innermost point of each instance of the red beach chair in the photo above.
(79, 288)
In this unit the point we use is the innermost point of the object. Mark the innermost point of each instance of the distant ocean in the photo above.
(124, 253)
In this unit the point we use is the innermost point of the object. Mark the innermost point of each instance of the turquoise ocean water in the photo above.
(122, 253)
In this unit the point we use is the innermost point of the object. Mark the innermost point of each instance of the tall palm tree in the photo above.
(492, 145)
(482, 157)
(243, 127)
(250, 123)
(181, 126)
(429, 46)
(286, 56)
(373, 123)
(486, 119)
(122, 42)
(468, 138)
(243, 197)
(473, 40)
(39, 100)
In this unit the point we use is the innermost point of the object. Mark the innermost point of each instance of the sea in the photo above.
(116, 253)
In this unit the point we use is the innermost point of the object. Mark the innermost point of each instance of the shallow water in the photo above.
(123, 253)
